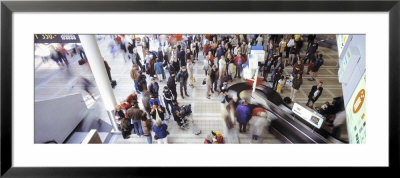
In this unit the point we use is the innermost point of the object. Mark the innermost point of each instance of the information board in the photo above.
(355, 114)
(56, 38)
(308, 115)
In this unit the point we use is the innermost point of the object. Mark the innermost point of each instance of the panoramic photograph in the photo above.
(199, 89)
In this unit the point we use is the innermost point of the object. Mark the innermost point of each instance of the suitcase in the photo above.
(113, 83)
(81, 61)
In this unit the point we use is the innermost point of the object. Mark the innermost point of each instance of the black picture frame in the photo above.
(8, 7)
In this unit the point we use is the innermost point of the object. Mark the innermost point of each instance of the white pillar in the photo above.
(97, 66)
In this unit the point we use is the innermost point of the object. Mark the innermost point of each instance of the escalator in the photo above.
(284, 125)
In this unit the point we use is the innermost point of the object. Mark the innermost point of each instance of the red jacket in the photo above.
(257, 110)
(236, 60)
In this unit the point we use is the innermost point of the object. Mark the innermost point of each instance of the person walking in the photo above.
(258, 126)
(243, 115)
(281, 82)
(314, 94)
(296, 83)
(135, 114)
(298, 68)
(160, 132)
(282, 46)
(206, 64)
(182, 78)
(208, 85)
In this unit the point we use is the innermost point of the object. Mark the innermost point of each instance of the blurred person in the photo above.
(258, 126)
(160, 131)
(314, 94)
(181, 57)
(243, 115)
(135, 114)
(150, 70)
(312, 49)
(236, 50)
(270, 48)
(259, 40)
(86, 84)
(108, 69)
(136, 59)
(296, 83)
(182, 78)
(206, 48)
(63, 53)
(56, 56)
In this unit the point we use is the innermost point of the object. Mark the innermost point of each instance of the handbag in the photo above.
(155, 137)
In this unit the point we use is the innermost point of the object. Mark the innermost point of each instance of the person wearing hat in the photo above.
(153, 87)
(168, 97)
(182, 77)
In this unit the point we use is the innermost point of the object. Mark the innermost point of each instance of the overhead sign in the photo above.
(56, 38)
(308, 115)
(355, 114)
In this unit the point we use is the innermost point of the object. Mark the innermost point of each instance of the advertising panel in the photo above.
(308, 115)
(355, 114)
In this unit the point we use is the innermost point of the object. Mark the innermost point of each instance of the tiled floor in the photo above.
(206, 112)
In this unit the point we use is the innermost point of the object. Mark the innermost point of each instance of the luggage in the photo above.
(81, 61)
(113, 83)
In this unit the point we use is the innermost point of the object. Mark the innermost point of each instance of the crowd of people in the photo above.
(224, 56)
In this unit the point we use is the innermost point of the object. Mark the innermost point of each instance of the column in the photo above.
(97, 66)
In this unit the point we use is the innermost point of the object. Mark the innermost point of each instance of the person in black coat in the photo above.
(181, 58)
(314, 94)
(153, 88)
(172, 85)
(182, 78)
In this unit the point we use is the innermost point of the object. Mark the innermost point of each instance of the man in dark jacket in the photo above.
(153, 88)
(314, 94)
(182, 79)
(311, 51)
(168, 98)
(181, 58)
(135, 114)
(172, 85)
(214, 78)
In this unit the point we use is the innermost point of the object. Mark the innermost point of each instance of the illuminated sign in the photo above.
(56, 38)
(308, 115)
(355, 114)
